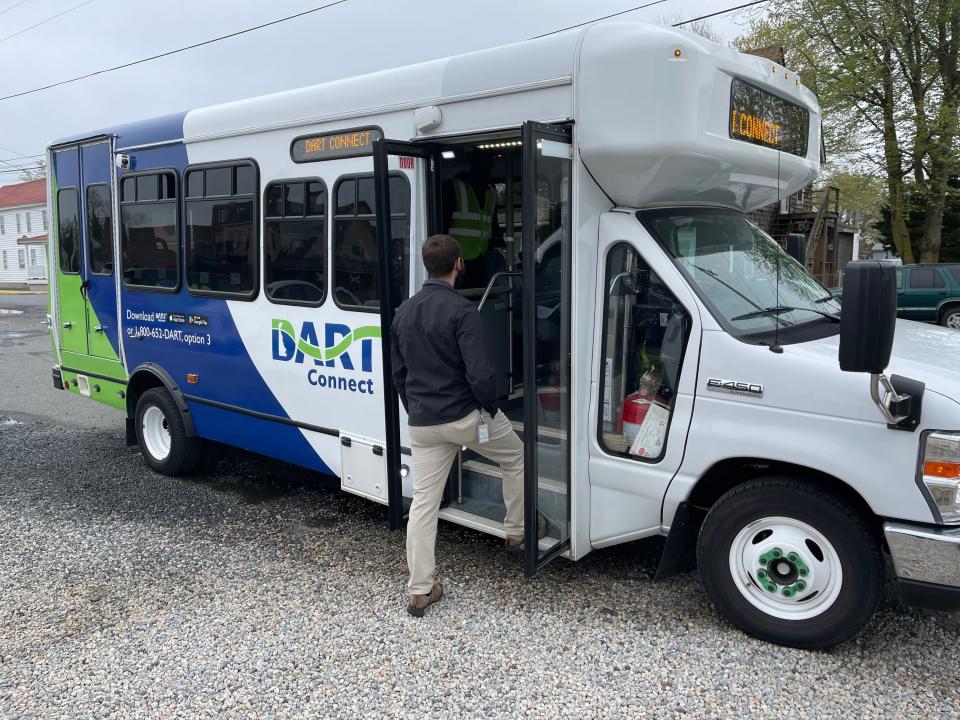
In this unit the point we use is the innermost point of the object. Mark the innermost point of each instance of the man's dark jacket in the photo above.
(440, 363)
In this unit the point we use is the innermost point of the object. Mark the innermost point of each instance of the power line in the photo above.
(605, 17)
(11, 7)
(23, 157)
(44, 22)
(720, 12)
(172, 52)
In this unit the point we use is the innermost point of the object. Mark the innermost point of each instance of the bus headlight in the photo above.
(941, 473)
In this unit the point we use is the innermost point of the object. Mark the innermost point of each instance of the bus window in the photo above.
(295, 247)
(68, 214)
(221, 230)
(645, 334)
(149, 235)
(100, 229)
(355, 264)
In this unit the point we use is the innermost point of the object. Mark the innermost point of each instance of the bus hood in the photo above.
(928, 353)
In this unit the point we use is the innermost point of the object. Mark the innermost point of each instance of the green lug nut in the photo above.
(771, 587)
(792, 557)
(787, 592)
(761, 574)
(777, 552)
(803, 571)
(763, 559)
(801, 585)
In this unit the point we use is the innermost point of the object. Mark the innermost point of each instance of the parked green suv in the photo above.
(930, 293)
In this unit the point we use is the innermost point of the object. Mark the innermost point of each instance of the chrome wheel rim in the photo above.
(156, 433)
(953, 321)
(786, 568)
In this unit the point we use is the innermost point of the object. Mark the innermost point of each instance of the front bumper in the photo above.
(927, 563)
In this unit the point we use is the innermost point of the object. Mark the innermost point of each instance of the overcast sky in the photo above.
(351, 38)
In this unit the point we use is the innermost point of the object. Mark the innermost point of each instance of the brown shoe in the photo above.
(515, 544)
(419, 603)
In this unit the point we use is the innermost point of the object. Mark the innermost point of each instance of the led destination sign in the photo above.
(350, 143)
(762, 118)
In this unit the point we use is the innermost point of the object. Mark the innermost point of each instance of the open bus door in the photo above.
(547, 167)
(422, 160)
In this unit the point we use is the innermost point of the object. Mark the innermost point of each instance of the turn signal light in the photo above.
(193, 378)
(933, 468)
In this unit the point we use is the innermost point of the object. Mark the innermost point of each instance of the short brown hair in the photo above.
(440, 255)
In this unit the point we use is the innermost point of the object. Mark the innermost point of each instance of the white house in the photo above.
(23, 235)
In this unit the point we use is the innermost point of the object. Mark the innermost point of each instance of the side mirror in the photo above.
(867, 325)
(869, 317)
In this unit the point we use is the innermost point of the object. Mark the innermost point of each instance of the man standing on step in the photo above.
(446, 383)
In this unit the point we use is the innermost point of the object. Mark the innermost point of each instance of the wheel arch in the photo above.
(679, 552)
(946, 307)
(146, 377)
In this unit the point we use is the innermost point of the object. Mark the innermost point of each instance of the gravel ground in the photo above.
(259, 590)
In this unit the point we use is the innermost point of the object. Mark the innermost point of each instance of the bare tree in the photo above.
(37, 172)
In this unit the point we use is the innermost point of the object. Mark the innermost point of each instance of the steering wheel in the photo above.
(352, 299)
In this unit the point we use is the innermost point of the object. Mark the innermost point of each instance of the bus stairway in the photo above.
(474, 498)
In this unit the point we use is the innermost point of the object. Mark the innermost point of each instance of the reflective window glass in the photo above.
(149, 236)
(644, 338)
(68, 215)
(220, 239)
(219, 181)
(100, 229)
(356, 259)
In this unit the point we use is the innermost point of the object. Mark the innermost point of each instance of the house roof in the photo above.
(33, 192)
(32, 240)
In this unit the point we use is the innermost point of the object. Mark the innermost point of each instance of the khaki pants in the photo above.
(434, 449)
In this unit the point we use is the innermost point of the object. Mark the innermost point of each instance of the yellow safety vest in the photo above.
(471, 224)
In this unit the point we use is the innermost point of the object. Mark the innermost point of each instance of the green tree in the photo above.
(887, 77)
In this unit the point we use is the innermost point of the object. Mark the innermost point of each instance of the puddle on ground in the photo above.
(6, 311)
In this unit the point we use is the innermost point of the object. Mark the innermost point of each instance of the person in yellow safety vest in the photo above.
(471, 223)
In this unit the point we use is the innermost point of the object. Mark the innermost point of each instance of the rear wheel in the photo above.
(951, 318)
(161, 435)
(790, 563)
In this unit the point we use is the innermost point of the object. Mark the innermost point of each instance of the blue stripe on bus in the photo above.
(266, 437)
(217, 355)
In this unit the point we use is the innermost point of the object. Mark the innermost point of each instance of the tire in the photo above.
(821, 588)
(161, 434)
(951, 318)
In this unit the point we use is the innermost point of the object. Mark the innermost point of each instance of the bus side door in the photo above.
(97, 230)
(645, 366)
(71, 286)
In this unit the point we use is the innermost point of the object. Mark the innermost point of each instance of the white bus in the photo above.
(226, 275)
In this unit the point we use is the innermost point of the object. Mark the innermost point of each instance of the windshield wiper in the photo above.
(822, 300)
(784, 309)
(716, 276)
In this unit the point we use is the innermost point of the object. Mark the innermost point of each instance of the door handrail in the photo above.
(493, 280)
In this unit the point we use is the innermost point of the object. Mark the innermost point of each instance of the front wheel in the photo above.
(790, 563)
(161, 435)
(951, 319)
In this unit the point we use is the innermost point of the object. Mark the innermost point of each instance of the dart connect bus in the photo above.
(226, 276)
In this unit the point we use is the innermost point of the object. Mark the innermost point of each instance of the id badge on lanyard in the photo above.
(483, 429)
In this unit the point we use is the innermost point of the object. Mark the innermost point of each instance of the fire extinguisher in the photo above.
(633, 411)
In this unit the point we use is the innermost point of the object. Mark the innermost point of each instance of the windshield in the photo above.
(736, 267)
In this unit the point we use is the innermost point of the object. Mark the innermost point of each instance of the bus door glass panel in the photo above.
(403, 195)
(97, 215)
(71, 289)
(547, 170)
(924, 288)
